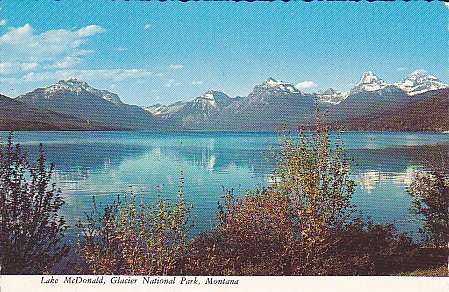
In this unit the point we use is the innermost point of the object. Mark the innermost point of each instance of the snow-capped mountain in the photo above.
(331, 96)
(194, 114)
(368, 83)
(215, 99)
(76, 98)
(267, 107)
(419, 82)
(416, 83)
(269, 92)
(80, 88)
(202, 105)
(279, 86)
(165, 111)
(197, 112)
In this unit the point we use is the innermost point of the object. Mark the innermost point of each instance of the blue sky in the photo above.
(151, 52)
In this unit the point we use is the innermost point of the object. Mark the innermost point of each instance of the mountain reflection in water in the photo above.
(106, 164)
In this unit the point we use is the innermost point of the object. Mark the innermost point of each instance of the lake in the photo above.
(105, 164)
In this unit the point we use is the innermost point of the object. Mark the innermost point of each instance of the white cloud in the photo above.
(115, 75)
(147, 26)
(420, 71)
(67, 62)
(90, 30)
(121, 49)
(171, 82)
(196, 82)
(401, 69)
(176, 66)
(306, 85)
(59, 48)
(3, 22)
(12, 67)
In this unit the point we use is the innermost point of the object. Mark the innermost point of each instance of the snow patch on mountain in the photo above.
(80, 88)
(369, 82)
(331, 96)
(208, 97)
(213, 98)
(416, 83)
(272, 83)
(419, 82)
(165, 110)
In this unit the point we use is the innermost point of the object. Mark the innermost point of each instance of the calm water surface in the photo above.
(105, 164)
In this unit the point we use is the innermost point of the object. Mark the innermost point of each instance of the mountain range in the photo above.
(419, 102)
(275, 103)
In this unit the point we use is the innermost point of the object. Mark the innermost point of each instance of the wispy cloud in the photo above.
(115, 75)
(176, 66)
(147, 26)
(67, 62)
(12, 67)
(121, 49)
(171, 82)
(3, 22)
(59, 48)
(196, 82)
(401, 69)
(306, 85)
(420, 71)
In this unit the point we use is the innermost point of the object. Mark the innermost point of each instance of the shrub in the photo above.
(365, 248)
(288, 227)
(431, 202)
(315, 177)
(132, 237)
(304, 223)
(30, 227)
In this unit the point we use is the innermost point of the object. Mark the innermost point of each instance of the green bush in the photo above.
(131, 237)
(31, 229)
(431, 203)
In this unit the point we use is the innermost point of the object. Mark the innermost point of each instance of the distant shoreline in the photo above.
(216, 131)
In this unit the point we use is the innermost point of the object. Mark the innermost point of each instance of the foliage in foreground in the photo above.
(303, 224)
(131, 237)
(431, 203)
(30, 227)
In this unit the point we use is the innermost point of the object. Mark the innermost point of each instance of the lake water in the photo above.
(105, 164)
